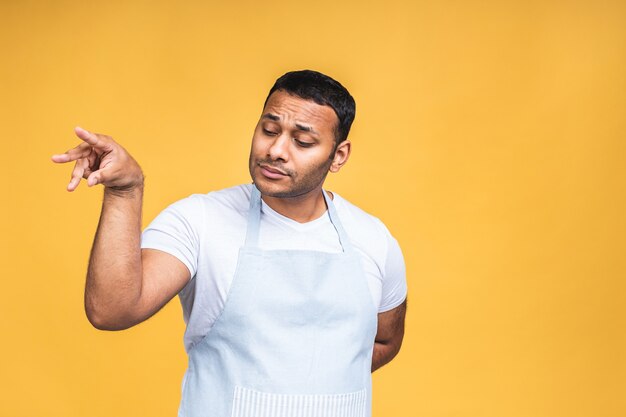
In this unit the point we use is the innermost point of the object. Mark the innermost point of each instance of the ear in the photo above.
(342, 153)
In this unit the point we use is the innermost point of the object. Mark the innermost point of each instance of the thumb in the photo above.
(96, 177)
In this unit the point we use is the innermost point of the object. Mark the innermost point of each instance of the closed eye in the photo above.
(304, 144)
(269, 132)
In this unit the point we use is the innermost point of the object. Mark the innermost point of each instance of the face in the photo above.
(293, 147)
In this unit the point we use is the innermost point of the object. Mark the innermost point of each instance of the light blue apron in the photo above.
(294, 339)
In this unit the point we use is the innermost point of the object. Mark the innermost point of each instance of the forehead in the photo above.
(292, 109)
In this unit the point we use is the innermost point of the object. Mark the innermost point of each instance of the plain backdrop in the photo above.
(489, 138)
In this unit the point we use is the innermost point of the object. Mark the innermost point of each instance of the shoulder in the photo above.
(383, 262)
(196, 208)
(235, 198)
(365, 230)
(353, 216)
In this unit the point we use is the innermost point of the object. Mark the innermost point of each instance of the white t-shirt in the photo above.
(206, 231)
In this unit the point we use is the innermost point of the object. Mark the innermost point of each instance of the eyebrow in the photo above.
(308, 129)
(303, 128)
(271, 117)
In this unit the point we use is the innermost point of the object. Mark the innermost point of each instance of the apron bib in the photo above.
(294, 339)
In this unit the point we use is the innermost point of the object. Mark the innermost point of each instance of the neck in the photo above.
(303, 208)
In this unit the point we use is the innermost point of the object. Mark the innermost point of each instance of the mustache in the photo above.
(272, 164)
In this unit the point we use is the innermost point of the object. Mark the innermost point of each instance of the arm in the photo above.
(389, 336)
(125, 285)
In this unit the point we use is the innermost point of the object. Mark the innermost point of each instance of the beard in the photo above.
(294, 184)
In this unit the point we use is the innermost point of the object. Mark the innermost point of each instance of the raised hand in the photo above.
(101, 160)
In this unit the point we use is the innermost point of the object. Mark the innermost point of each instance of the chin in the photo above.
(271, 190)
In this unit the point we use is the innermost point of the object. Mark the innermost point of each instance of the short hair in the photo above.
(313, 85)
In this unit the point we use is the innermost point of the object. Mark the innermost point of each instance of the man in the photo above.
(292, 296)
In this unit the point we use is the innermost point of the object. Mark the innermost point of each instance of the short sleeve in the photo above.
(176, 231)
(394, 289)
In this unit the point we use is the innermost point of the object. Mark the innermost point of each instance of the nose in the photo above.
(278, 150)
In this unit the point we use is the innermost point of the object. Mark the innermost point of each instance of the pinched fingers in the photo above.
(101, 160)
(98, 177)
(93, 142)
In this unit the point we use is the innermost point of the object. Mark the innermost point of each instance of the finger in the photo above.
(93, 139)
(77, 174)
(97, 177)
(81, 151)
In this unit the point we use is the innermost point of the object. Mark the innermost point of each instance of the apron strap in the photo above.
(254, 221)
(254, 218)
(334, 219)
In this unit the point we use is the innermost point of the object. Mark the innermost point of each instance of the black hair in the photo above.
(313, 85)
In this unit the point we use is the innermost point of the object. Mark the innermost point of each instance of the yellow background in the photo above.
(489, 138)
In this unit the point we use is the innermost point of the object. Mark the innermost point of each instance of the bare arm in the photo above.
(125, 285)
(389, 336)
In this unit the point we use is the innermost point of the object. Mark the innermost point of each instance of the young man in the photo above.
(292, 296)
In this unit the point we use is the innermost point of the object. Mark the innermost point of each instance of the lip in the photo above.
(271, 172)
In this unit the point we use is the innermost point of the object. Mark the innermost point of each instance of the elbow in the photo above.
(107, 314)
(395, 351)
(103, 321)
(392, 350)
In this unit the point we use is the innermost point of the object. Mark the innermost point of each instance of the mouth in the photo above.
(271, 172)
